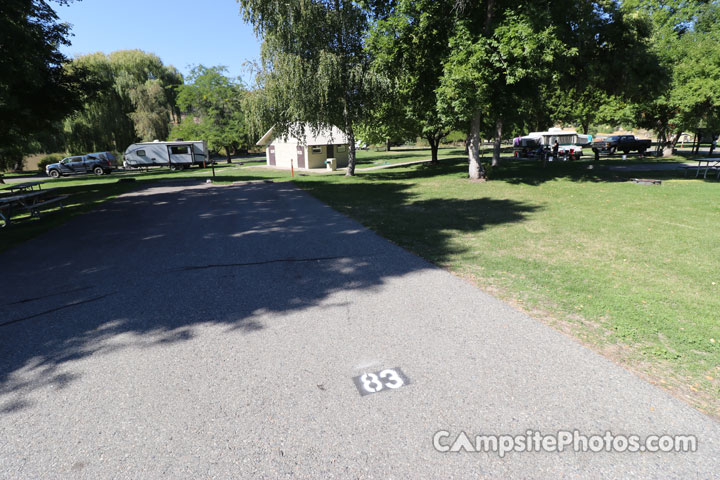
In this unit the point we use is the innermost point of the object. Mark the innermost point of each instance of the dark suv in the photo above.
(78, 165)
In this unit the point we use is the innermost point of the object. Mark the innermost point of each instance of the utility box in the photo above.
(331, 164)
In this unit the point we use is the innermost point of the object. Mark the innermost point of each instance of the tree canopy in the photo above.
(214, 108)
(509, 60)
(135, 100)
(36, 90)
(409, 45)
(684, 38)
(315, 70)
(383, 69)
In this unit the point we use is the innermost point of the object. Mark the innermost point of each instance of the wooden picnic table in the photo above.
(25, 186)
(710, 163)
(30, 202)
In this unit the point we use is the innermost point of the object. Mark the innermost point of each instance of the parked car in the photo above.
(78, 165)
(622, 143)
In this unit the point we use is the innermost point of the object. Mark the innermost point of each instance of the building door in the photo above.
(330, 151)
(301, 156)
(271, 154)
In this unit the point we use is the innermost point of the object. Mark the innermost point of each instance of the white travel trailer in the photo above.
(176, 155)
(570, 143)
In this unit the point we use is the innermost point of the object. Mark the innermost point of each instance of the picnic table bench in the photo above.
(32, 202)
(26, 186)
(710, 164)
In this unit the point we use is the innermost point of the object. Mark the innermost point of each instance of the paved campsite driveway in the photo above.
(215, 331)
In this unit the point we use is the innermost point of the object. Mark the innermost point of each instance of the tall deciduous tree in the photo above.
(409, 45)
(214, 108)
(36, 90)
(135, 100)
(685, 36)
(315, 68)
(506, 54)
(501, 56)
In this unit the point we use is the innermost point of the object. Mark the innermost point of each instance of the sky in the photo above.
(182, 33)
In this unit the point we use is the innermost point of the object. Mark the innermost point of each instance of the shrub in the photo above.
(48, 159)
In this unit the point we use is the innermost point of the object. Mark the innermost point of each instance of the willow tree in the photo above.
(135, 99)
(315, 70)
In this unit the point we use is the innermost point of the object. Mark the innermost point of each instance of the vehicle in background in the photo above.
(537, 144)
(79, 164)
(177, 155)
(621, 143)
(104, 156)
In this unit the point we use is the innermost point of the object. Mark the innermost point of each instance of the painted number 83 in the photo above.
(389, 378)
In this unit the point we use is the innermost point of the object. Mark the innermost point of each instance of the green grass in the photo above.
(372, 158)
(632, 270)
(29, 173)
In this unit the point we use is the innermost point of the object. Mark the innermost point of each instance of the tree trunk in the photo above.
(228, 153)
(476, 170)
(497, 144)
(661, 128)
(712, 144)
(467, 144)
(434, 144)
(585, 126)
(351, 152)
(489, 14)
(387, 145)
(669, 146)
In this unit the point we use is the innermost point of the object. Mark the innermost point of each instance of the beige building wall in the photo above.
(284, 154)
(316, 159)
(342, 155)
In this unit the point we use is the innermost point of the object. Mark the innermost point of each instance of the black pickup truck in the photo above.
(622, 143)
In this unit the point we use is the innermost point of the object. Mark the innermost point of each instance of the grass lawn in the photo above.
(631, 270)
(371, 158)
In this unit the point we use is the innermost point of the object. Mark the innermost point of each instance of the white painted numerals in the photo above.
(371, 383)
(391, 378)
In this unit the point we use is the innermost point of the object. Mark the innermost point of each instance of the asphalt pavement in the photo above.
(251, 331)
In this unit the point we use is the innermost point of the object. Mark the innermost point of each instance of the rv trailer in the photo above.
(570, 143)
(176, 155)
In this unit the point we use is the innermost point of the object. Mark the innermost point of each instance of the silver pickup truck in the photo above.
(99, 164)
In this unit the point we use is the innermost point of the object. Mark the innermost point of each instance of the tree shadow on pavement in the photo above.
(154, 267)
